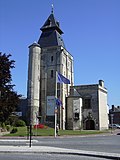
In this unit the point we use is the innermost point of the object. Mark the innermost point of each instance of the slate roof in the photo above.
(51, 33)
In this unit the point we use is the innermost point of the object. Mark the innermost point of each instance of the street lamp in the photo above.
(111, 122)
(30, 133)
(30, 122)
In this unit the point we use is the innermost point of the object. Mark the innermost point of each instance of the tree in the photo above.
(9, 99)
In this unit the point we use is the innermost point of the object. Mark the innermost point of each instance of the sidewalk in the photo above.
(55, 150)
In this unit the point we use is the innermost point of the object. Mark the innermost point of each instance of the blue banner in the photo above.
(62, 79)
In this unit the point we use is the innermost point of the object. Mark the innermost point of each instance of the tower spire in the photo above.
(52, 9)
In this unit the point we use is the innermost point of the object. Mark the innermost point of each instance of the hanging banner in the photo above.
(51, 104)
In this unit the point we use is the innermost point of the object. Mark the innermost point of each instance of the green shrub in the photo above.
(8, 127)
(20, 123)
(14, 130)
(12, 120)
(3, 126)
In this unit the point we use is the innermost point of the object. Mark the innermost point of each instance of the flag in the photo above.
(62, 79)
(58, 102)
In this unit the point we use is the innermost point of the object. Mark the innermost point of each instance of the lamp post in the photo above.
(30, 104)
(111, 122)
(56, 110)
(30, 124)
(30, 133)
(36, 123)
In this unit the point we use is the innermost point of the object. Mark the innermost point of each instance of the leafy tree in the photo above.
(8, 97)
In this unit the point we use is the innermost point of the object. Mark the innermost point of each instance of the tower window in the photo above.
(76, 116)
(51, 58)
(87, 104)
(51, 73)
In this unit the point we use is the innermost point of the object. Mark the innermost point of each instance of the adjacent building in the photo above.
(114, 115)
(87, 107)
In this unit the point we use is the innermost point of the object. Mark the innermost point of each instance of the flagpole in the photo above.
(60, 79)
(55, 104)
(55, 122)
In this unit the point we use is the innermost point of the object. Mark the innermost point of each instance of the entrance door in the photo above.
(90, 125)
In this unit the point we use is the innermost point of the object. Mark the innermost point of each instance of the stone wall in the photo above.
(94, 106)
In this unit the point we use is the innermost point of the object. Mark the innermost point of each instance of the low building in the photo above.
(114, 115)
(87, 107)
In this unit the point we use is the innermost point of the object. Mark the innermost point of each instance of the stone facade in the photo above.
(74, 113)
(83, 107)
(47, 58)
(115, 113)
(93, 109)
(54, 59)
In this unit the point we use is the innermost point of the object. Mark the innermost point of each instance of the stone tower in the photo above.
(54, 57)
(46, 58)
(33, 86)
(85, 107)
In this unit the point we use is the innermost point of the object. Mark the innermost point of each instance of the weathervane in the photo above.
(52, 9)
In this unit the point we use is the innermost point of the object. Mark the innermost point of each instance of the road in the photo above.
(98, 143)
(110, 144)
(40, 156)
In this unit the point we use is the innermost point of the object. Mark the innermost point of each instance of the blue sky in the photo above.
(91, 34)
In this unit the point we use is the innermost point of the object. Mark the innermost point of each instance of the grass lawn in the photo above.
(22, 131)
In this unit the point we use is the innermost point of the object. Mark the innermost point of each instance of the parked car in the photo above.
(114, 126)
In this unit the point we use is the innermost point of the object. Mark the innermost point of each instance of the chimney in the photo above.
(101, 83)
(113, 108)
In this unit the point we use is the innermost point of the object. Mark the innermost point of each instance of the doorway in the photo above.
(90, 125)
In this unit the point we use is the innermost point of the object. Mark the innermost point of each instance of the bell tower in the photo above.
(53, 58)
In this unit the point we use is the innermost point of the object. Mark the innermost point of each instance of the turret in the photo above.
(33, 87)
